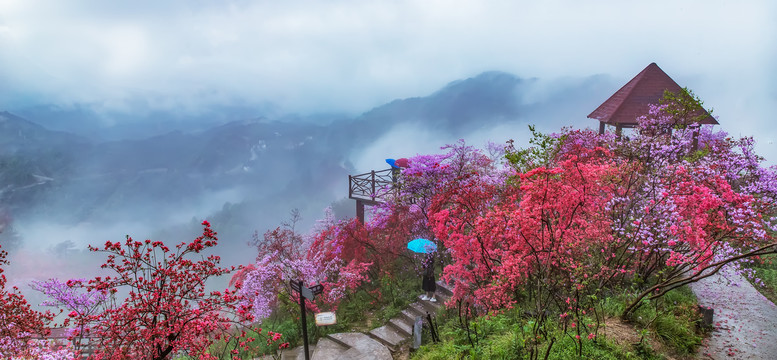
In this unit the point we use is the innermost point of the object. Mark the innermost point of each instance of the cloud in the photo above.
(349, 55)
(188, 58)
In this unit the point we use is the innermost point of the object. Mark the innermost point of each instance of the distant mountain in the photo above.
(254, 170)
(32, 157)
(461, 105)
(18, 135)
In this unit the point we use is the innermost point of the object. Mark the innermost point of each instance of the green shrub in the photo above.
(766, 271)
(674, 319)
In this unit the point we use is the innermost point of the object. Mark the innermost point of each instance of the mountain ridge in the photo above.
(269, 166)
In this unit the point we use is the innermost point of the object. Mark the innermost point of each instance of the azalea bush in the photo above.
(585, 215)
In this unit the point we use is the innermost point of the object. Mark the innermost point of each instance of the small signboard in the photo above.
(317, 289)
(326, 318)
(307, 293)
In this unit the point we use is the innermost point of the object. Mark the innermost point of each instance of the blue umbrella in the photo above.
(422, 246)
(393, 163)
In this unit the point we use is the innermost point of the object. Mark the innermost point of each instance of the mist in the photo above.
(245, 176)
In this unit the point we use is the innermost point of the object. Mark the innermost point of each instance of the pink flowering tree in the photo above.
(694, 203)
(543, 240)
(72, 297)
(286, 255)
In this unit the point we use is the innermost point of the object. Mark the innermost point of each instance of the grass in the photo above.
(667, 326)
(674, 319)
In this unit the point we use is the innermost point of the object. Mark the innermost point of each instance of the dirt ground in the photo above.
(627, 335)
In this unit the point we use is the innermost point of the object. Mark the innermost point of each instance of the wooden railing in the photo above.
(85, 345)
(373, 186)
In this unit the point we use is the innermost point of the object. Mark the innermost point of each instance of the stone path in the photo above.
(745, 322)
(378, 343)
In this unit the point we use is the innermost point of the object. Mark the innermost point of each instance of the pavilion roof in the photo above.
(632, 100)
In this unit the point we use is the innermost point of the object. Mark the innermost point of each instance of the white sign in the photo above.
(326, 318)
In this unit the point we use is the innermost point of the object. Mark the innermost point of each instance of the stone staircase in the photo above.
(378, 343)
(400, 329)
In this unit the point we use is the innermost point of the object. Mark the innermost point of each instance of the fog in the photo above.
(244, 176)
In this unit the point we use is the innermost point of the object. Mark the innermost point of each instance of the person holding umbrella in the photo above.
(428, 284)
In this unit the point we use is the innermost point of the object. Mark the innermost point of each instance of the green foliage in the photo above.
(509, 343)
(566, 349)
(377, 302)
(613, 306)
(766, 270)
(697, 155)
(496, 336)
(684, 107)
(541, 152)
(674, 318)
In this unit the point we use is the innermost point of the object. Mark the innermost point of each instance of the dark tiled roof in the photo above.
(632, 100)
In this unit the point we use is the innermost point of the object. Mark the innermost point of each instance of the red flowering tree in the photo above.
(19, 323)
(542, 240)
(167, 309)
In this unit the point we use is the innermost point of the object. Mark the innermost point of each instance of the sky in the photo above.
(187, 57)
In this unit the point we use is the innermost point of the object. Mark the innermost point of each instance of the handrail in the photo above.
(373, 186)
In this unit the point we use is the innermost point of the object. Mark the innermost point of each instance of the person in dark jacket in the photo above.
(429, 285)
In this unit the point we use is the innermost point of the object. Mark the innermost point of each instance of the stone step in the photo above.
(444, 289)
(359, 347)
(429, 306)
(408, 315)
(339, 340)
(419, 308)
(297, 353)
(387, 336)
(400, 326)
(411, 311)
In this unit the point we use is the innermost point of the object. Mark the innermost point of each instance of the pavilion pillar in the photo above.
(618, 131)
(601, 128)
(360, 210)
(695, 136)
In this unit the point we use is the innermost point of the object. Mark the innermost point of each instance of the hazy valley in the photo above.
(62, 190)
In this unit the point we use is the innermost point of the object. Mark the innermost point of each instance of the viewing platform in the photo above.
(371, 188)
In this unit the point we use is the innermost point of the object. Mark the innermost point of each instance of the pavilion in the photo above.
(624, 107)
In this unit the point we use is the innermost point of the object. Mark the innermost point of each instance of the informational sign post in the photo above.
(326, 318)
(305, 293)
